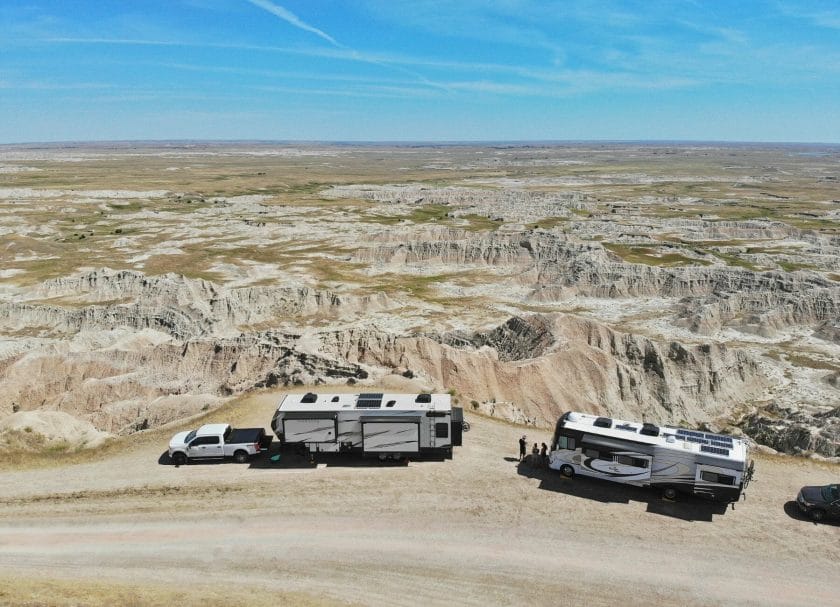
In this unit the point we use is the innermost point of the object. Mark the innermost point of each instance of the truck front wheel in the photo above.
(179, 459)
(240, 457)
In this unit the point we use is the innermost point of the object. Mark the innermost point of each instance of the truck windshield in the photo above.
(831, 493)
(190, 436)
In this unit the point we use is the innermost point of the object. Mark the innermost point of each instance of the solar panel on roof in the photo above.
(683, 432)
(369, 400)
(697, 439)
(715, 450)
(720, 438)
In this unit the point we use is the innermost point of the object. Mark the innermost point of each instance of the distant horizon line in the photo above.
(412, 142)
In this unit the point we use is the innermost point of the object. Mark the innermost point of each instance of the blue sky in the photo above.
(455, 70)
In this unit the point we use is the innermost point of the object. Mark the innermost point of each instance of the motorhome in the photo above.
(713, 466)
(392, 426)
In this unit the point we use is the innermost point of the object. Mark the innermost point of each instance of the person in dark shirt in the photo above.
(522, 445)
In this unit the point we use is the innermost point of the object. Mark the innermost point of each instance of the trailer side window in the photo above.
(441, 430)
(565, 442)
(714, 477)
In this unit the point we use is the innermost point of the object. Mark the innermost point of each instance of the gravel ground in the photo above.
(480, 529)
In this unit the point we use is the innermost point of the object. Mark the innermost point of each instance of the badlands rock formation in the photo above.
(682, 285)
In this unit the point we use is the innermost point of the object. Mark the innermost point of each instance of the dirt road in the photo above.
(477, 530)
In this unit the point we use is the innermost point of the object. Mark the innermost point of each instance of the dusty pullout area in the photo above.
(128, 527)
(684, 284)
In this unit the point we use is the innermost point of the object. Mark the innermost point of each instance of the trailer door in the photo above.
(308, 430)
(394, 435)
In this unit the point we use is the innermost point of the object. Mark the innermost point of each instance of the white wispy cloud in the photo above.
(289, 17)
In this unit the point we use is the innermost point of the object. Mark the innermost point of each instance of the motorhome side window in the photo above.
(627, 460)
(565, 442)
(441, 430)
(593, 453)
(714, 477)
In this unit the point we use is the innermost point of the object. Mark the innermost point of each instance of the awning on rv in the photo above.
(396, 419)
(309, 414)
(616, 444)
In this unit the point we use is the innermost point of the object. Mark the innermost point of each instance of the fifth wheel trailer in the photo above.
(371, 424)
(714, 466)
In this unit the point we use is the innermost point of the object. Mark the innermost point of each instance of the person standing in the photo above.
(522, 445)
(544, 454)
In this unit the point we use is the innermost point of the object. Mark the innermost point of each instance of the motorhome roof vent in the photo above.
(334, 399)
(649, 429)
(309, 397)
(603, 422)
(423, 398)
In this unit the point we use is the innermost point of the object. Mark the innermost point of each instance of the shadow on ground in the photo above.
(684, 507)
(793, 511)
(289, 458)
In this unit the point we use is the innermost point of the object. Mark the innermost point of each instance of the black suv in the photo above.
(819, 502)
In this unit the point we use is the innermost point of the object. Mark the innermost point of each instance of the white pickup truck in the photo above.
(217, 441)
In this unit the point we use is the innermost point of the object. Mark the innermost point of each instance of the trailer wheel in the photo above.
(567, 471)
(669, 493)
(179, 459)
(817, 515)
(240, 457)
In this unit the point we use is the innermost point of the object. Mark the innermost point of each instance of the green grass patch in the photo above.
(650, 257)
(791, 266)
(547, 223)
(734, 260)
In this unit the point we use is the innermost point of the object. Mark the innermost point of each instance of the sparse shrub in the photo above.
(408, 373)
(28, 430)
(118, 231)
(474, 404)
(15, 407)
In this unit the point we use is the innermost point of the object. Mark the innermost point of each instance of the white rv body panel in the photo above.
(706, 464)
(391, 437)
(309, 430)
(370, 423)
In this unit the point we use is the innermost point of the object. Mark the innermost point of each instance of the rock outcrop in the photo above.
(802, 430)
(574, 364)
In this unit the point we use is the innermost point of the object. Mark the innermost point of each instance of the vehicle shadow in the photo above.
(793, 511)
(289, 457)
(684, 507)
(165, 460)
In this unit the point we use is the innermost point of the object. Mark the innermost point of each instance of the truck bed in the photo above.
(243, 436)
